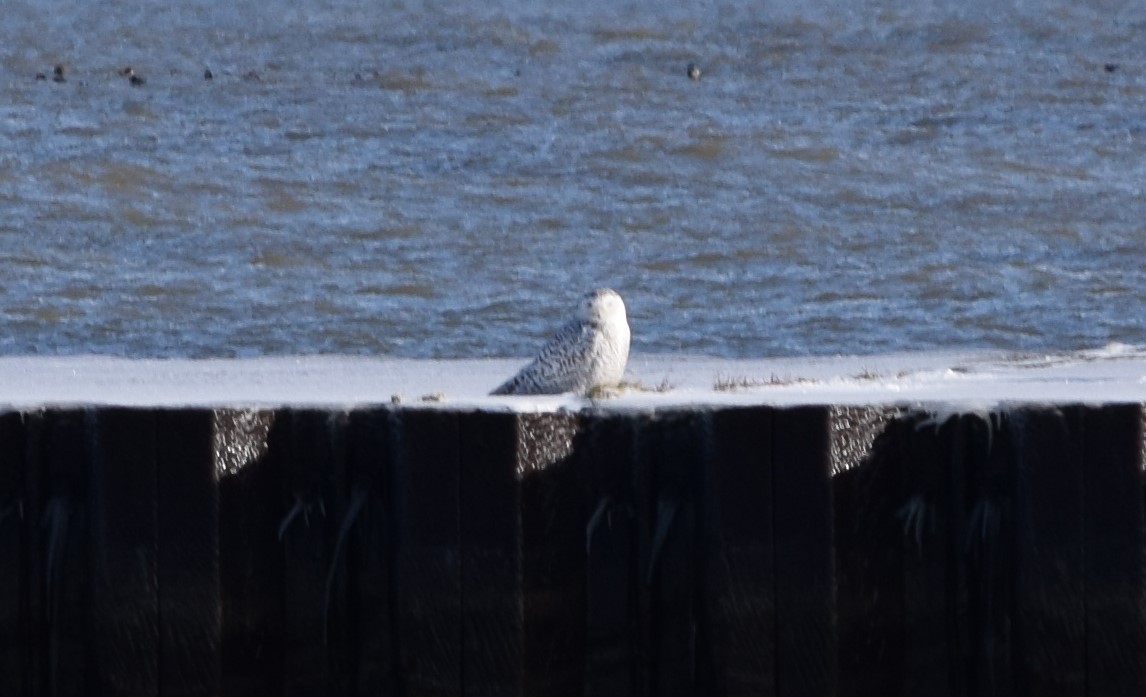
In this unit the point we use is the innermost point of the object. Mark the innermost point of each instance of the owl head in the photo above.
(602, 305)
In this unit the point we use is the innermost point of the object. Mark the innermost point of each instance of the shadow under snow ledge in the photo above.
(975, 380)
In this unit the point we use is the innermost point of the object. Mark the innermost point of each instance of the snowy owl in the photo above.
(589, 351)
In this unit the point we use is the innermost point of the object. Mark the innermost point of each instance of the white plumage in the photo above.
(590, 351)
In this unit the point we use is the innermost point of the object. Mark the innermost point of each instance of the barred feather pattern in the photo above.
(589, 351)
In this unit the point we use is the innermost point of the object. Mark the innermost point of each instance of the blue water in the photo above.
(435, 180)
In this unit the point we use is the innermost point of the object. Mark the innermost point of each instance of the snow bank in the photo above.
(976, 380)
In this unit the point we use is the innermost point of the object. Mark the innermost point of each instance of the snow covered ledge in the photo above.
(977, 380)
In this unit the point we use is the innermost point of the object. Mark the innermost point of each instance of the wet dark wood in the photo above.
(190, 637)
(870, 542)
(612, 566)
(34, 625)
(337, 598)
(932, 462)
(490, 514)
(370, 551)
(427, 552)
(739, 594)
(1050, 585)
(1115, 545)
(428, 563)
(989, 544)
(62, 572)
(123, 543)
(251, 573)
(553, 519)
(14, 624)
(805, 584)
(673, 446)
(311, 459)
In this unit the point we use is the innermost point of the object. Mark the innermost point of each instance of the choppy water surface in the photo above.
(430, 180)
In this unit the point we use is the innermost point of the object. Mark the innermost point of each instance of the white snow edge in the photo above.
(966, 381)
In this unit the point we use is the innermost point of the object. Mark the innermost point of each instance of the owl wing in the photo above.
(559, 366)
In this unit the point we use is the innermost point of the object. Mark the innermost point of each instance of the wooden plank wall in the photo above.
(392, 551)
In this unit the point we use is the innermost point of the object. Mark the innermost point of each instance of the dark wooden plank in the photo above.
(1050, 608)
(63, 576)
(251, 570)
(190, 633)
(428, 564)
(671, 444)
(123, 542)
(340, 520)
(606, 460)
(645, 512)
(36, 529)
(310, 457)
(490, 515)
(933, 468)
(1115, 545)
(42, 588)
(803, 520)
(553, 520)
(370, 583)
(59, 585)
(739, 581)
(870, 540)
(15, 640)
(989, 544)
